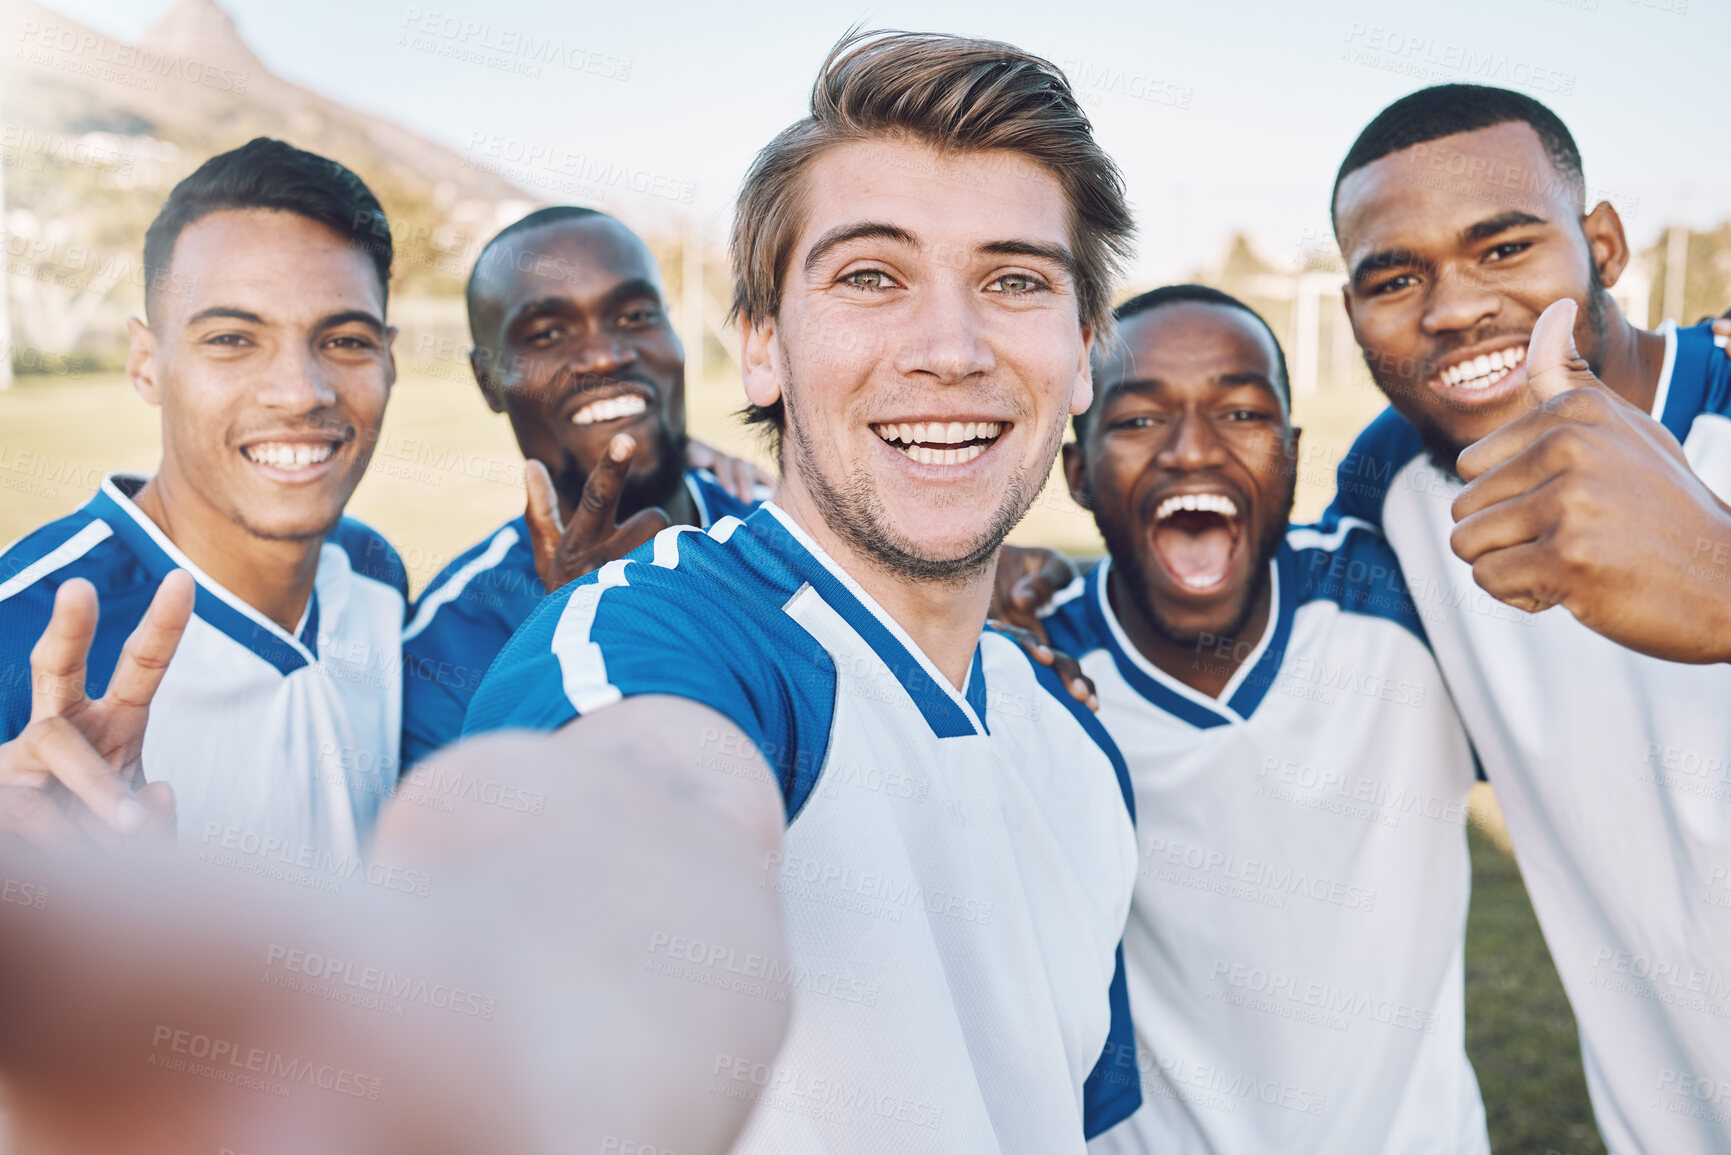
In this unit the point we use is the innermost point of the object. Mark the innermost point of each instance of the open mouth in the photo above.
(291, 456)
(1196, 538)
(1481, 375)
(941, 442)
(616, 408)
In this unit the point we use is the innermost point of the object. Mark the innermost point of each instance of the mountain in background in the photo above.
(96, 132)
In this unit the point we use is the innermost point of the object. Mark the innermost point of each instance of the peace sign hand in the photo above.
(76, 771)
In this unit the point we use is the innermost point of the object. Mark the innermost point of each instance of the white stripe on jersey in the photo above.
(486, 560)
(1309, 537)
(580, 658)
(64, 555)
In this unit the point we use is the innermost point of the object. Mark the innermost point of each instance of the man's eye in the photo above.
(1393, 284)
(1503, 252)
(350, 342)
(640, 317)
(1140, 421)
(1246, 415)
(1018, 283)
(231, 340)
(543, 336)
(869, 279)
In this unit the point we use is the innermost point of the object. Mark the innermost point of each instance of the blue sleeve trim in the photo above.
(370, 555)
(703, 626)
(1700, 380)
(1054, 685)
(1361, 576)
(1363, 478)
(1113, 1090)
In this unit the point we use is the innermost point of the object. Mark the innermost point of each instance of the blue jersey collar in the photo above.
(212, 603)
(1249, 685)
(950, 714)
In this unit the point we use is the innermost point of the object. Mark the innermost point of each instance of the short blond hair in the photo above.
(955, 94)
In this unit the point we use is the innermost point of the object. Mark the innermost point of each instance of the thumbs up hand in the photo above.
(1588, 503)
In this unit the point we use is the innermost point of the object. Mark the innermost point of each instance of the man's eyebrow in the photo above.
(225, 311)
(631, 290)
(1502, 222)
(865, 230)
(1057, 254)
(354, 316)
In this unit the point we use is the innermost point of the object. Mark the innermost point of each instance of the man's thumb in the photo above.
(1553, 365)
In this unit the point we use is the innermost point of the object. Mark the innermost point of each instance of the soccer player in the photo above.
(920, 266)
(1294, 951)
(573, 342)
(1461, 216)
(277, 722)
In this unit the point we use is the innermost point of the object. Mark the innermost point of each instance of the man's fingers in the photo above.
(32, 814)
(1722, 332)
(1081, 686)
(157, 798)
(1027, 597)
(639, 528)
(1516, 576)
(55, 745)
(1553, 365)
(598, 508)
(144, 660)
(57, 661)
(542, 514)
(1520, 519)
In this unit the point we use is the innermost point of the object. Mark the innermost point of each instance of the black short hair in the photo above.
(276, 176)
(1445, 109)
(1192, 295)
(547, 216)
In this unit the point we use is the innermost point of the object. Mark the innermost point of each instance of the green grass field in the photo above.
(447, 471)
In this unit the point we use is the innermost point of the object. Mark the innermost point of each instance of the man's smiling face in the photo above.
(928, 348)
(1449, 267)
(576, 346)
(272, 370)
(1188, 465)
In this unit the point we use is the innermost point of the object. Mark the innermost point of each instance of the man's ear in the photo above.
(1607, 247)
(484, 378)
(141, 360)
(1082, 394)
(760, 361)
(1076, 474)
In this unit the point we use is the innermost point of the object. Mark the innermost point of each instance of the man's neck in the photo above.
(1632, 361)
(1206, 665)
(273, 577)
(943, 619)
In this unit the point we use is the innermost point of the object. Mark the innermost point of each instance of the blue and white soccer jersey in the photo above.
(957, 867)
(466, 615)
(280, 747)
(1614, 775)
(1294, 952)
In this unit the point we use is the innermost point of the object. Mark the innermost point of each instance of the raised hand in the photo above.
(1027, 578)
(564, 553)
(76, 773)
(1588, 503)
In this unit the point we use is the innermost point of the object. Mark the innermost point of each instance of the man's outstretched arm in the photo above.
(527, 1000)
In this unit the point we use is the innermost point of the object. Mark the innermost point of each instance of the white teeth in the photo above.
(1204, 502)
(953, 433)
(610, 409)
(288, 455)
(1484, 370)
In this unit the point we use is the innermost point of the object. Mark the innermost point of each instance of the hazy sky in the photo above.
(1225, 114)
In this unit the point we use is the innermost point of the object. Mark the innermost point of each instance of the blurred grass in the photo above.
(447, 471)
